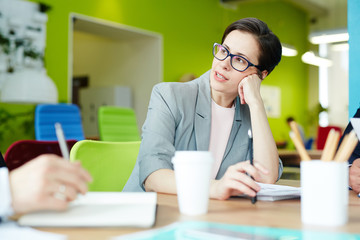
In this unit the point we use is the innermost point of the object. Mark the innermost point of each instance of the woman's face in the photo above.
(224, 79)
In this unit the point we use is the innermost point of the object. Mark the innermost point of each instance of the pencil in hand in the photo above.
(62, 142)
(253, 199)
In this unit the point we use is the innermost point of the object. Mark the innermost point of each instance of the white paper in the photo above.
(100, 209)
(12, 231)
(355, 122)
(273, 192)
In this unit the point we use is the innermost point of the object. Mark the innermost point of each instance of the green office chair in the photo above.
(109, 163)
(117, 124)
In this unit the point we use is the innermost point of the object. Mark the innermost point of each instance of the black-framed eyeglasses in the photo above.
(238, 62)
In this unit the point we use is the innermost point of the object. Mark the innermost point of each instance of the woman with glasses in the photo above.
(215, 113)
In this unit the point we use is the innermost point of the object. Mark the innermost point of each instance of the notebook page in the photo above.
(100, 209)
(355, 122)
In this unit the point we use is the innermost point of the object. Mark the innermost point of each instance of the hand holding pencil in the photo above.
(62, 142)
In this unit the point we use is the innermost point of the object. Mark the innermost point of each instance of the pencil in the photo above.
(253, 199)
(330, 146)
(300, 147)
(62, 142)
(347, 147)
(294, 127)
(341, 147)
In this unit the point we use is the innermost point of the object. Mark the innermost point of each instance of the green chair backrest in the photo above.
(117, 124)
(109, 163)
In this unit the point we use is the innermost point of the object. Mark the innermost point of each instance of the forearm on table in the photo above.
(162, 180)
(265, 151)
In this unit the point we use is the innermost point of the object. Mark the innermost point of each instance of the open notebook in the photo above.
(100, 209)
(274, 192)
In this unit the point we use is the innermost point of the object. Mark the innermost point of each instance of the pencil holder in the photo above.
(324, 192)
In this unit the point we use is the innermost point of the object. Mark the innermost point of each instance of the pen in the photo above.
(61, 138)
(253, 199)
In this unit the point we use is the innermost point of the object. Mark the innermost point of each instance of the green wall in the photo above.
(189, 28)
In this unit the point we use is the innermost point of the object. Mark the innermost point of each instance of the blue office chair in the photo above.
(68, 115)
(308, 143)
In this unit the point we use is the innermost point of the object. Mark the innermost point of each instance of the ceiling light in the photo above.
(340, 47)
(311, 58)
(288, 51)
(329, 36)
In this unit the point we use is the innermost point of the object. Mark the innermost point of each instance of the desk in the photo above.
(281, 214)
(292, 157)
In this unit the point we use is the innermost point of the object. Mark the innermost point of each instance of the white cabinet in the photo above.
(93, 97)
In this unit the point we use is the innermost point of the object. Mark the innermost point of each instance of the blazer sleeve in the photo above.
(5, 202)
(356, 152)
(157, 146)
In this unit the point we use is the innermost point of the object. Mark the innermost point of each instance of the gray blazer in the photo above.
(179, 118)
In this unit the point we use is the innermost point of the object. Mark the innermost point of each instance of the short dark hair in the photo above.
(269, 43)
(290, 119)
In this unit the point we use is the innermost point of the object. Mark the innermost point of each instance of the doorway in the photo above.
(121, 64)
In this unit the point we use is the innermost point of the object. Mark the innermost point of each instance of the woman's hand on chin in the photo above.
(249, 89)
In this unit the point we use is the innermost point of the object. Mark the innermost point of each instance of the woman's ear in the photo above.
(264, 74)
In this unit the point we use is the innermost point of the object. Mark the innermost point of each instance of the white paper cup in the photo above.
(324, 192)
(192, 173)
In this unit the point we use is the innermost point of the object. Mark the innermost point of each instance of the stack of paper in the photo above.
(273, 192)
(100, 209)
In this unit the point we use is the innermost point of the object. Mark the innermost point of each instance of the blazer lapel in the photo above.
(235, 127)
(203, 114)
